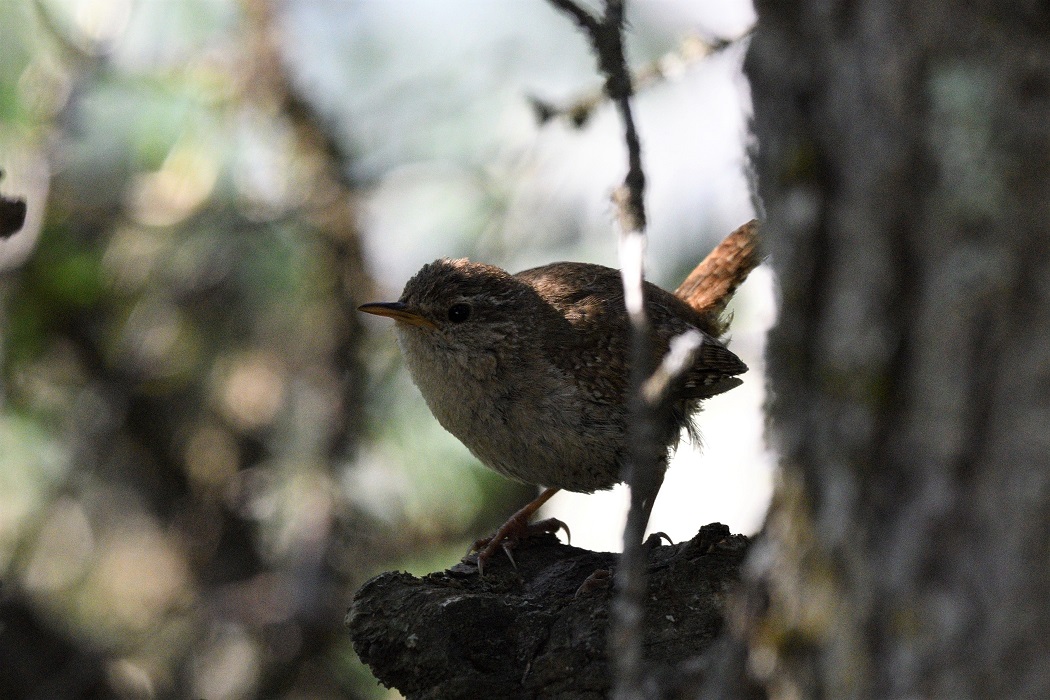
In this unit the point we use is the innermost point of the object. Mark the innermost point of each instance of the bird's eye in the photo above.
(458, 313)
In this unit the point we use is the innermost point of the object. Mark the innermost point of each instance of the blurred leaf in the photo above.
(32, 462)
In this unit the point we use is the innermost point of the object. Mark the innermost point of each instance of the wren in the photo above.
(530, 370)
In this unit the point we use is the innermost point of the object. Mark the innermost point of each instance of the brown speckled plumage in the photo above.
(534, 379)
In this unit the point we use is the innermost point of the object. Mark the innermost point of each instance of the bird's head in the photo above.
(457, 311)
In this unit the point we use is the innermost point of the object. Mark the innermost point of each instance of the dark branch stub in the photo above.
(588, 22)
(12, 214)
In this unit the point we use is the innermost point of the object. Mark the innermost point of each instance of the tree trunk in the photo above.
(904, 162)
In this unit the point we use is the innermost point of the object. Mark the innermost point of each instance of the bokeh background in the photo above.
(203, 449)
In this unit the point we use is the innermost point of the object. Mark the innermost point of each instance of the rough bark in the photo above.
(904, 163)
(527, 633)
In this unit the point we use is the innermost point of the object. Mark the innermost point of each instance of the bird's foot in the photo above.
(516, 529)
(509, 535)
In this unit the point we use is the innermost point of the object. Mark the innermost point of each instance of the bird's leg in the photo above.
(642, 508)
(516, 529)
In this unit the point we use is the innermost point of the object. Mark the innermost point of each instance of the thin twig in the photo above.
(645, 468)
(692, 50)
(677, 361)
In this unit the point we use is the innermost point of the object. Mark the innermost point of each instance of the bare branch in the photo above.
(585, 19)
(606, 35)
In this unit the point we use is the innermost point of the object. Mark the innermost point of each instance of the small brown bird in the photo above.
(530, 371)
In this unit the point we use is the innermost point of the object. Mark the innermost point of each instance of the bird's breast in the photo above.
(523, 419)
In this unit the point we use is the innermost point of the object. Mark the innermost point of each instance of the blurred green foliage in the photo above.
(181, 383)
(202, 454)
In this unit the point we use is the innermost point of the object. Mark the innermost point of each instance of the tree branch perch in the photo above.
(527, 633)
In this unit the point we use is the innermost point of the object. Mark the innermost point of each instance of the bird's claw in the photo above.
(653, 540)
(508, 536)
(550, 526)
